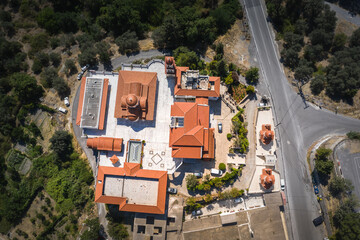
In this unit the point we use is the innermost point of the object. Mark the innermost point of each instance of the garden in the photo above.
(239, 133)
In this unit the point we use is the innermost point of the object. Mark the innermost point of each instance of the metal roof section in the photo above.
(92, 103)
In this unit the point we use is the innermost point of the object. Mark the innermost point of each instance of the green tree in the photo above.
(252, 75)
(55, 59)
(317, 84)
(47, 19)
(93, 229)
(339, 42)
(221, 68)
(208, 198)
(191, 204)
(290, 57)
(127, 42)
(103, 49)
(47, 77)
(61, 144)
(339, 186)
(70, 67)
(61, 87)
(324, 167)
(191, 182)
(117, 231)
(355, 39)
(322, 154)
(304, 71)
(25, 88)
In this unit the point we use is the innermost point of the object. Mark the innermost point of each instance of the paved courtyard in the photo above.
(156, 152)
(348, 153)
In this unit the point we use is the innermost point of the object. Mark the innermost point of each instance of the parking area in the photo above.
(348, 154)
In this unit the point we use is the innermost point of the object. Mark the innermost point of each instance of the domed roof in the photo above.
(133, 118)
(169, 60)
(131, 100)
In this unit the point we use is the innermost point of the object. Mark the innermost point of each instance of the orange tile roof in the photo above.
(267, 178)
(103, 104)
(266, 134)
(170, 66)
(195, 92)
(136, 95)
(194, 139)
(114, 159)
(132, 170)
(81, 100)
(105, 143)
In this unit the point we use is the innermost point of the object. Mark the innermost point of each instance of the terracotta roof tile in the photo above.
(136, 95)
(81, 100)
(105, 143)
(103, 104)
(132, 170)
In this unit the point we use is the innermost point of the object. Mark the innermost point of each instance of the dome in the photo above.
(131, 100)
(133, 118)
(169, 60)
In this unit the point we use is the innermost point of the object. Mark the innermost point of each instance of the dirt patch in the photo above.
(345, 27)
(235, 46)
(354, 146)
(147, 44)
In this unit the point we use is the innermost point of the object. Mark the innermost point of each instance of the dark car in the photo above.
(317, 221)
(316, 189)
(172, 190)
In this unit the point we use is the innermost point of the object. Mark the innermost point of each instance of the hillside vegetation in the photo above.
(312, 49)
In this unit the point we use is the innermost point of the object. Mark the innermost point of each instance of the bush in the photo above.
(252, 75)
(250, 89)
(61, 144)
(353, 135)
(222, 166)
(229, 79)
(229, 136)
(339, 185)
(191, 182)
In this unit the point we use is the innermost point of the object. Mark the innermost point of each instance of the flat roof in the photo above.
(136, 190)
(92, 103)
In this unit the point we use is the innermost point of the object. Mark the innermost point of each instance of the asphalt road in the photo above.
(297, 126)
(343, 13)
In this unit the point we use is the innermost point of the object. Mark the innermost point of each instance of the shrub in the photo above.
(229, 136)
(222, 166)
(70, 67)
(250, 89)
(61, 87)
(252, 75)
(353, 135)
(191, 182)
(55, 59)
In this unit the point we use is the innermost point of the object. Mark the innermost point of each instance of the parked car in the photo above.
(172, 190)
(238, 200)
(317, 221)
(63, 110)
(66, 101)
(282, 184)
(215, 171)
(84, 68)
(198, 174)
(220, 127)
(316, 189)
(196, 213)
(79, 76)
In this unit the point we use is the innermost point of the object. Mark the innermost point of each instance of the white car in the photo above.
(66, 101)
(79, 76)
(63, 110)
(84, 68)
(215, 171)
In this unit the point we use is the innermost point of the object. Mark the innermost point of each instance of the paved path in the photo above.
(343, 13)
(297, 126)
